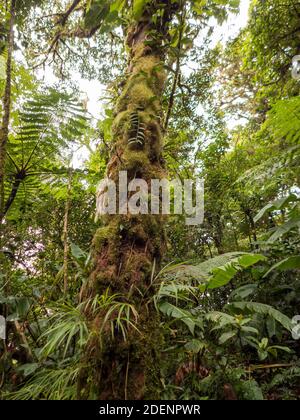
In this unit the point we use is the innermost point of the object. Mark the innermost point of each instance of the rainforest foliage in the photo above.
(141, 306)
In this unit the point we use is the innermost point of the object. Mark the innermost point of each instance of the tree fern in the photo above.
(279, 169)
(283, 121)
(215, 272)
(48, 123)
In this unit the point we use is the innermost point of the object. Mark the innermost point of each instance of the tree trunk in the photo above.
(128, 247)
(65, 232)
(252, 228)
(6, 105)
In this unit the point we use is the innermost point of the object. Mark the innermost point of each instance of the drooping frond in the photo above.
(137, 130)
(48, 123)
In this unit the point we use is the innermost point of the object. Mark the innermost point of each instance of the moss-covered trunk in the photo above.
(128, 247)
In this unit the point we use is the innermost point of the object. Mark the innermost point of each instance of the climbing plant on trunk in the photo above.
(129, 247)
(120, 360)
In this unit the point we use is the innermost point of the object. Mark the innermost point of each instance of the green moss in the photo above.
(120, 121)
(146, 64)
(101, 236)
(141, 95)
(105, 235)
(138, 93)
(140, 50)
(135, 160)
(138, 233)
(105, 278)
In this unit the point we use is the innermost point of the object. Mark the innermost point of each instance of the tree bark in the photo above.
(128, 246)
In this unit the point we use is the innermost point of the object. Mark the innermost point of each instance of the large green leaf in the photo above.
(222, 275)
(289, 263)
(96, 13)
(138, 7)
(286, 227)
(178, 313)
(227, 336)
(217, 271)
(276, 205)
(243, 291)
(261, 308)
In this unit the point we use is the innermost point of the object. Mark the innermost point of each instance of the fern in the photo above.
(217, 271)
(57, 383)
(276, 205)
(292, 216)
(283, 121)
(137, 130)
(47, 124)
(178, 313)
(282, 166)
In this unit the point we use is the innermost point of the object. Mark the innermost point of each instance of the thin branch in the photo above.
(65, 16)
(177, 71)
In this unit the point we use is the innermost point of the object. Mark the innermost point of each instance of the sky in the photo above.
(222, 33)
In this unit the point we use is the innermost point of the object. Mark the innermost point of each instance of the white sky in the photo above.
(233, 25)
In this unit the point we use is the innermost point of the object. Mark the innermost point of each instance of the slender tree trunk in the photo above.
(252, 228)
(233, 229)
(65, 233)
(218, 236)
(177, 71)
(128, 247)
(6, 104)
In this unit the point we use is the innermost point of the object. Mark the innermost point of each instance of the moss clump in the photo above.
(146, 64)
(138, 94)
(152, 68)
(141, 50)
(138, 233)
(135, 160)
(121, 119)
(104, 236)
(156, 172)
(105, 278)
(101, 237)
(137, 272)
(141, 95)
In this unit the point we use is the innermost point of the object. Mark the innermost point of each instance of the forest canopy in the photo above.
(102, 301)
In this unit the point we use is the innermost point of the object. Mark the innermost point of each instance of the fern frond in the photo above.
(48, 123)
(137, 130)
